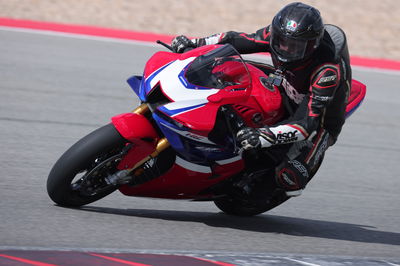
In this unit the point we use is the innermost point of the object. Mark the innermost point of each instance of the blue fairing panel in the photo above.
(172, 137)
(190, 149)
(136, 84)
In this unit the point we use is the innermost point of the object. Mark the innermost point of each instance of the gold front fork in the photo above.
(141, 109)
(162, 143)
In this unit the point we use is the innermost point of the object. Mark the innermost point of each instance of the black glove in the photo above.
(253, 138)
(180, 43)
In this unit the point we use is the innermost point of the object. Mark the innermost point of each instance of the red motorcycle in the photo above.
(180, 142)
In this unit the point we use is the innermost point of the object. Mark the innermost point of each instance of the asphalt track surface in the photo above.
(55, 89)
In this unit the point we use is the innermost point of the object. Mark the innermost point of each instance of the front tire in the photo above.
(86, 156)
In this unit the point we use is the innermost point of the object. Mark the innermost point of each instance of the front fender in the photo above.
(133, 126)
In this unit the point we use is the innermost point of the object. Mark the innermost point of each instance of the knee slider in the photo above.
(292, 175)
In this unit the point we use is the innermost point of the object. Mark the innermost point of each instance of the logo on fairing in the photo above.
(285, 137)
(192, 136)
(189, 135)
(208, 149)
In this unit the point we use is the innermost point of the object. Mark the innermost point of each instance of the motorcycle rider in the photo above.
(313, 68)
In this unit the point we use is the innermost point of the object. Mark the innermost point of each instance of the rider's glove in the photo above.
(180, 43)
(253, 138)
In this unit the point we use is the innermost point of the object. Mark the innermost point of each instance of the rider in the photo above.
(314, 71)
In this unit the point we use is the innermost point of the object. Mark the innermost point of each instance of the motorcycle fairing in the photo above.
(178, 108)
(133, 126)
(186, 113)
(198, 178)
(185, 109)
(189, 144)
(139, 131)
(356, 97)
(135, 82)
(181, 95)
(174, 84)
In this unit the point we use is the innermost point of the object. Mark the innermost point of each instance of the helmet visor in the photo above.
(288, 49)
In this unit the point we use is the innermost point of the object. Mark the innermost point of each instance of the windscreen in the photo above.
(218, 69)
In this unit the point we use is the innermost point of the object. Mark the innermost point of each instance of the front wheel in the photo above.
(79, 176)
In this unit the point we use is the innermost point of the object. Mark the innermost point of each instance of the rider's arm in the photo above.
(244, 43)
(309, 116)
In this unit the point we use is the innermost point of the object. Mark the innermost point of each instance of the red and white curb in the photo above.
(52, 258)
(364, 62)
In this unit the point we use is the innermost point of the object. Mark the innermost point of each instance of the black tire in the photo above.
(82, 157)
(238, 207)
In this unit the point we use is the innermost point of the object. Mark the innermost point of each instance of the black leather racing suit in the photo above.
(318, 89)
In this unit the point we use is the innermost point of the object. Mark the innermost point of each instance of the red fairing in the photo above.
(257, 103)
(141, 150)
(162, 58)
(158, 60)
(183, 183)
(201, 120)
(357, 94)
(134, 126)
(258, 106)
(268, 99)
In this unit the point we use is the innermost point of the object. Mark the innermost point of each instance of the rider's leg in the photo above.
(301, 162)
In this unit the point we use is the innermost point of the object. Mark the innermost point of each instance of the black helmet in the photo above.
(296, 32)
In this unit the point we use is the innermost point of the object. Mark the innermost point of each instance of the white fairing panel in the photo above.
(175, 86)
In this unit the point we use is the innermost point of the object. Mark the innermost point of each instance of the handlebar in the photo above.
(165, 45)
(169, 47)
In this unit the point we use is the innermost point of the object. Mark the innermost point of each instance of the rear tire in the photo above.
(84, 156)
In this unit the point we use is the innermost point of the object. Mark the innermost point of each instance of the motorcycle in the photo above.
(180, 143)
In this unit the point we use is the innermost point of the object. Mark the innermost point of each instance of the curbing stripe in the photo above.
(374, 63)
(25, 261)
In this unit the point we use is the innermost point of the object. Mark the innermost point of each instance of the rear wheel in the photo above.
(252, 194)
(240, 206)
(79, 176)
